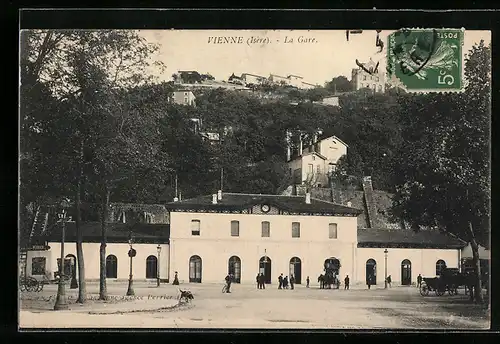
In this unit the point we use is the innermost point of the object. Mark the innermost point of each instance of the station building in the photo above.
(204, 238)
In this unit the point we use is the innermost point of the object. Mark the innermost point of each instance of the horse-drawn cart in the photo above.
(449, 281)
(28, 283)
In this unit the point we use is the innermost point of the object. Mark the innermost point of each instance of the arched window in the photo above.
(440, 266)
(266, 229)
(195, 269)
(151, 267)
(111, 266)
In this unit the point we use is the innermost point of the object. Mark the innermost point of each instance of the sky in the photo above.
(318, 61)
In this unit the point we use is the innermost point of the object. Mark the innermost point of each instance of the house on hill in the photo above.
(313, 164)
(375, 81)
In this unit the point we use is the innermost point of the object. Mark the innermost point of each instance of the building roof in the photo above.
(292, 204)
(375, 237)
(279, 76)
(116, 232)
(258, 76)
(297, 76)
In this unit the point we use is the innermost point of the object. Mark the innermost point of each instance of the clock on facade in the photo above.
(264, 208)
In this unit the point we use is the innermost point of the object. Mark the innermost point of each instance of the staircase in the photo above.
(371, 211)
(39, 223)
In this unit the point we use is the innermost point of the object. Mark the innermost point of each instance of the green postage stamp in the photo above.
(426, 60)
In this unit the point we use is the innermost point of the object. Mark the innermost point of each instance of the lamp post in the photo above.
(158, 266)
(385, 253)
(131, 254)
(61, 301)
(265, 262)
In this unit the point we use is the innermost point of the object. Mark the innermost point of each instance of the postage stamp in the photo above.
(426, 60)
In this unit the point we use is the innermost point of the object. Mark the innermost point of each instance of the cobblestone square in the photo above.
(248, 307)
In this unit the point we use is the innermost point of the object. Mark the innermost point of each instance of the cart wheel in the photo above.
(424, 290)
(39, 287)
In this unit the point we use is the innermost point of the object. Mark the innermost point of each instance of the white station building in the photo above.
(208, 236)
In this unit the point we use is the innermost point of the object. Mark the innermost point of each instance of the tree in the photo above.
(85, 70)
(339, 84)
(444, 167)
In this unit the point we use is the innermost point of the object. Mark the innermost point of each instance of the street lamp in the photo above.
(265, 262)
(131, 254)
(158, 266)
(385, 252)
(61, 301)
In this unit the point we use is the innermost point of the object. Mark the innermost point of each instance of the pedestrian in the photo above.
(389, 281)
(280, 281)
(257, 279)
(228, 283)
(292, 281)
(285, 282)
(369, 281)
(419, 280)
(262, 281)
(307, 282)
(176, 279)
(346, 282)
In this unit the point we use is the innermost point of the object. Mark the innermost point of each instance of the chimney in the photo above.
(214, 199)
(176, 199)
(219, 195)
(308, 198)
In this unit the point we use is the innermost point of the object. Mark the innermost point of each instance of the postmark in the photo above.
(426, 60)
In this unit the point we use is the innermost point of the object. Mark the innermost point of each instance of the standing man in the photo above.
(346, 282)
(419, 281)
(257, 279)
(307, 282)
(369, 281)
(292, 281)
(262, 281)
(280, 281)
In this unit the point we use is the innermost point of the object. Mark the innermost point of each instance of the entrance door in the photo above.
(296, 269)
(151, 267)
(371, 271)
(406, 272)
(234, 268)
(265, 268)
(333, 265)
(70, 266)
(195, 269)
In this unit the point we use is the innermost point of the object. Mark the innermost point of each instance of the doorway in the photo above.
(296, 269)
(265, 268)
(234, 268)
(371, 271)
(406, 272)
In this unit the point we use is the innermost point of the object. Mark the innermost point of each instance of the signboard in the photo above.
(132, 253)
(38, 248)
